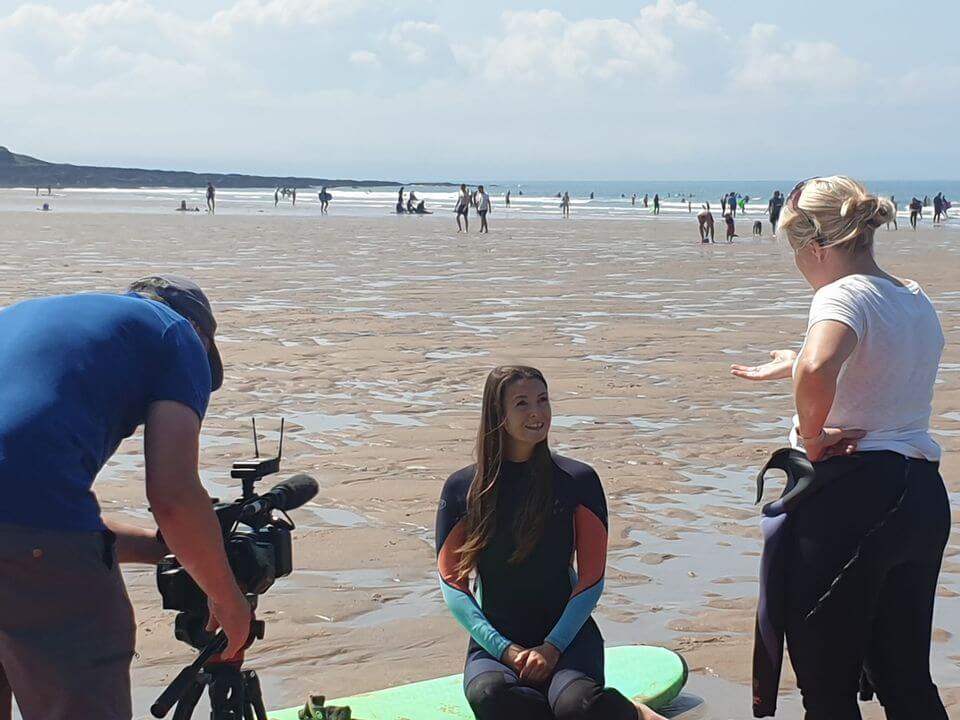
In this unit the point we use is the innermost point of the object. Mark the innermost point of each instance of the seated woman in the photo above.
(515, 520)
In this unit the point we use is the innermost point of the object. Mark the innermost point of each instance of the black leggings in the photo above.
(575, 692)
(874, 613)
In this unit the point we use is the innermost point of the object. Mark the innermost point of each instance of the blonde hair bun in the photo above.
(836, 211)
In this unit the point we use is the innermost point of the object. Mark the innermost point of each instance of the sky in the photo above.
(498, 90)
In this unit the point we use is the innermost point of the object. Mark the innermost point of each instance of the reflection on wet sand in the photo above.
(374, 347)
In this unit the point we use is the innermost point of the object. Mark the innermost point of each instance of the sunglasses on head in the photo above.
(793, 201)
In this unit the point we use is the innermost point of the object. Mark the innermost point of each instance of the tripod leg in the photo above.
(188, 703)
(227, 697)
(251, 682)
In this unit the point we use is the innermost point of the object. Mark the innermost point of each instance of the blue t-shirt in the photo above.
(77, 374)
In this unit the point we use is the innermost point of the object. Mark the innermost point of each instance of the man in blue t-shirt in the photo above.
(78, 374)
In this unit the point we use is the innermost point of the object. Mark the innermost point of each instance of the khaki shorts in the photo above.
(67, 631)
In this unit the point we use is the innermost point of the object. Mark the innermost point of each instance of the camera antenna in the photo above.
(280, 448)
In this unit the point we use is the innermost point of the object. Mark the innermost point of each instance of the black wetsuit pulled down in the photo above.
(539, 599)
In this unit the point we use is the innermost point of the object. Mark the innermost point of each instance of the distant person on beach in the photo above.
(78, 374)
(689, 207)
(916, 212)
(565, 205)
(507, 199)
(38, 191)
(183, 207)
(732, 204)
(851, 576)
(422, 209)
(723, 203)
(324, 198)
(937, 208)
(49, 190)
(293, 194)
(893, 218)
(656, 204)
(774, 208)
(646, 200)
(514, 521)
(484, 206)
(276, 197)
(211, 198)
(463, 209)
(400, 202)
(731, 227)
(633, 200)
(591, 195)
(705, 224)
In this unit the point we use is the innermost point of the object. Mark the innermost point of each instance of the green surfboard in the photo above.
(652, 675)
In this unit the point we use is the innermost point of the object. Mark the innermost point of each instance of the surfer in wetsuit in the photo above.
(211, 198)
(514, 520)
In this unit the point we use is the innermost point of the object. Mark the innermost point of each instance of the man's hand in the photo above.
(185, 515)
(236, 618)
(831, 442)
(780, 367)
(538, 664)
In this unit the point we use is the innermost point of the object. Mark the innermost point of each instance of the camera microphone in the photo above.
(284, 496)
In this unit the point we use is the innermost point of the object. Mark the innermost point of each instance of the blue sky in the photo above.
(433, 89)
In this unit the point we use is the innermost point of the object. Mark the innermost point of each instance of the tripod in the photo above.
(234, 693)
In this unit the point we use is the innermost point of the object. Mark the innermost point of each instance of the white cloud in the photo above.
(770, 62)
(364, 58)
(414, 39)
(547, 46)
(285, 13)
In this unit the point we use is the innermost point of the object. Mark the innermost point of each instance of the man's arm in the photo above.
(135, 544)
(185, 515)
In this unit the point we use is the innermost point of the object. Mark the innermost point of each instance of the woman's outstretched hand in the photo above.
(538, 664)
(779, 367)
(832, 442)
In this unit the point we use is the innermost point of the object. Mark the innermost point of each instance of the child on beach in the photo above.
(515, 519)
(731, 228)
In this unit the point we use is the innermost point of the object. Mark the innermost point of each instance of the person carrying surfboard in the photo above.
(514, 520)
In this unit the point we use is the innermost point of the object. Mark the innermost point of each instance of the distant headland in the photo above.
(25, 171)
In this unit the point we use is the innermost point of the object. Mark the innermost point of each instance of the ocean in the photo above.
(611, 199)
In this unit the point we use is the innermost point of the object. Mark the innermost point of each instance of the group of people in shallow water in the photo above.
(849, 572)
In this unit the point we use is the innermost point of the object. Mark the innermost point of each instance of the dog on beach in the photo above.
(757, 228)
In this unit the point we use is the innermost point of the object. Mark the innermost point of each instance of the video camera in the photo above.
(257, 538)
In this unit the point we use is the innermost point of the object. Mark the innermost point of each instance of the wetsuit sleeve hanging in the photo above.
(590, 526)
(450, 536)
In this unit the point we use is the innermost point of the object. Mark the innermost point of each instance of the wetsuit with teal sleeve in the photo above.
(541, 598)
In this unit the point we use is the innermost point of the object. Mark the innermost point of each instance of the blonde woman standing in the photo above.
(863, 553)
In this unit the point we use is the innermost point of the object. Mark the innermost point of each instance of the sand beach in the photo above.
(371, 336)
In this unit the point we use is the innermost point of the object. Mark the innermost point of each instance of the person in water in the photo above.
(463, 209)
(731, 226)
(484, 206)
(916, 212)
(211, 198)
(656, 204)
(774, 208)
(705, 224)
(864, 552)
(565, 205)
(506, 199)
(514, 520)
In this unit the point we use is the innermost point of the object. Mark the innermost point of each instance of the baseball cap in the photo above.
(187, 299)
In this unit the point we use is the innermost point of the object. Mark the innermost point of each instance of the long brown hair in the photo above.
(481, 521)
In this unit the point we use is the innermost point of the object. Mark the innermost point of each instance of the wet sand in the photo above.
(372, 338)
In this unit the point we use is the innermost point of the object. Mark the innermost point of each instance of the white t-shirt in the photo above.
(886, 385)
(483, 202)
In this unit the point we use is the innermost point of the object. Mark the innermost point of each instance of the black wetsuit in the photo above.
(537, 600)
